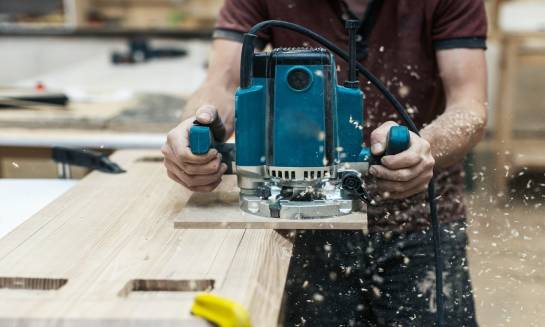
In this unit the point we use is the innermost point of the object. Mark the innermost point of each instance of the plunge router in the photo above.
(300, 135)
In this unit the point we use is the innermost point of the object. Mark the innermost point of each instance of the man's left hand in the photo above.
(406, 173)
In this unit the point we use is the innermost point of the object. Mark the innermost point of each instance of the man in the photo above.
(430, 53)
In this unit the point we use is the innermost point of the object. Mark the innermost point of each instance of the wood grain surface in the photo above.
(106, 254)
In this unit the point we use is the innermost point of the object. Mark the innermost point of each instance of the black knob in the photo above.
(299, 79)
(263, 191)
(350, 181)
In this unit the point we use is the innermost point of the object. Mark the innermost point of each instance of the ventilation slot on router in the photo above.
(29, 283)
(167, 285)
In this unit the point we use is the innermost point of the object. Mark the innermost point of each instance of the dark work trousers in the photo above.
(347, 278)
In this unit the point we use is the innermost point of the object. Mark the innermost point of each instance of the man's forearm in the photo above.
(215, 95)
(203, 172)
(454, 133)
(461, 126)
(221, 82)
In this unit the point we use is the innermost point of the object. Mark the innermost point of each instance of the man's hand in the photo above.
(403, 174)
(199, 173)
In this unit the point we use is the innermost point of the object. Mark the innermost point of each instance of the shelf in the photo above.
(49, 30)
(528, 153)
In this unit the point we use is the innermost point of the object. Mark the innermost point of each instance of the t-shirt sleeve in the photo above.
(459, 24)
(236, 17)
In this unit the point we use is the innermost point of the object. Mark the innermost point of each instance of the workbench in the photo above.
(26, 153)
(106, 253)
(112, 106)
(111, 251)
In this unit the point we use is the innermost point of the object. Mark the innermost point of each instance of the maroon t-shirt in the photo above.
(397, 43)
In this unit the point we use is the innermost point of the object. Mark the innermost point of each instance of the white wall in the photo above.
(21, 58)
(82, 67)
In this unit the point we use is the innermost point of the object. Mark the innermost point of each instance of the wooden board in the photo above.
(220, 209)
(106, 254)
(79, 138)
(146, 113)
(528, 155)
(76, 115)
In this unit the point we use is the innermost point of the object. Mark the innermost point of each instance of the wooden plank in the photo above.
(524, 35)
(504, 111)
(148, 113)
(77, 115)
(106, 253)
(528, 154)
(48, 137)
(220, 209)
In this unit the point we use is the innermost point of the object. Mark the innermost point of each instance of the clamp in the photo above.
(221, 311)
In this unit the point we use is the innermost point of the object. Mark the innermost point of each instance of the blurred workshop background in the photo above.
(102, 75)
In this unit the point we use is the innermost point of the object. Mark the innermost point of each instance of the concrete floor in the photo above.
(507, 234)
(507, 249)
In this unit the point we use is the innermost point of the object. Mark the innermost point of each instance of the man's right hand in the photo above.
(199, 173)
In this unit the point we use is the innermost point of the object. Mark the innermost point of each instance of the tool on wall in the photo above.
(37, 98)
(140, 50)
(300, 134)
(66, 157)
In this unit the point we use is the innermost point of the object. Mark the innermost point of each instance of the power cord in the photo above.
(245, 81)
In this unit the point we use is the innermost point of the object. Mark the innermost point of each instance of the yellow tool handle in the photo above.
(220, 311)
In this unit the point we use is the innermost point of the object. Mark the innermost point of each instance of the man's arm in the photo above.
(222, 79)
(449, 137)
(213, 100)
(461, 126)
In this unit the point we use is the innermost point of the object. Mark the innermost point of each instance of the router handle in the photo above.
(201, 140)
(397, 141)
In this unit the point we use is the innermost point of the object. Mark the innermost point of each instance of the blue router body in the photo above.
(300, 149)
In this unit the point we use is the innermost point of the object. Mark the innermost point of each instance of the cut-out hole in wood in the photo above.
(167, 285)
(29, 283)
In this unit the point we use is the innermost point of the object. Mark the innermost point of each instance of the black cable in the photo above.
(436, 235)
(246, 73)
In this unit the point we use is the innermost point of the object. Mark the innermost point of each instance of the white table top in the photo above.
(22, 198)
